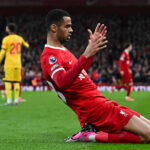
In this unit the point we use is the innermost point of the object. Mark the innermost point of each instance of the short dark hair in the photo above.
(55, 16)
(126, 45)
(12, 27)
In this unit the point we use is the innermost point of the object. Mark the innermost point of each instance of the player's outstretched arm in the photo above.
(25, 44)
(2, 54)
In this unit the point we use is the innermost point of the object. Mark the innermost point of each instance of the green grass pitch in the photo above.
(43, 122)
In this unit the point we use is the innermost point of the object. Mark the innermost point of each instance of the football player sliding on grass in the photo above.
(101, 119)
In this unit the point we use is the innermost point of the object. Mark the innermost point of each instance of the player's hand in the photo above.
(99, 30)
(97, 41)
(121, 73)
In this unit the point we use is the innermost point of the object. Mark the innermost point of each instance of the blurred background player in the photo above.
(125, 72)
(20, 99)
(11, 49)
(116, 78)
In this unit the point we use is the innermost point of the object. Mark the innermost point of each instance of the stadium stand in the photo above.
(121, 28)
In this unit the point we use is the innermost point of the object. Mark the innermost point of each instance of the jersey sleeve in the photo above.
(2, 54)
(60, 76)
(54, 64)
(4, 44)
(25, 44)
(89, 64)
(122, 61)
(123, 57)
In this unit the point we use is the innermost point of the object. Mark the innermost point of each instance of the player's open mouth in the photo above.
(69, 36)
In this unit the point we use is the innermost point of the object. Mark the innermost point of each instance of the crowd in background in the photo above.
(121, 29)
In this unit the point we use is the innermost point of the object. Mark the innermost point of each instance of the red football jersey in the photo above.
(124, 62)
(79, 95)
(82, 95)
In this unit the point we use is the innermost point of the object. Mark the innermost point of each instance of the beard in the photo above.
(63, 40)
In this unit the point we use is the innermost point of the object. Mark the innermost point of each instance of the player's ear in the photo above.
(53, 28)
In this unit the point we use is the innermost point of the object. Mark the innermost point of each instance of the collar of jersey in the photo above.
(59, 48)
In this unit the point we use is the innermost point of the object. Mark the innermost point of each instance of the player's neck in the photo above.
(126, 50)
(11, 33)
(53, 42)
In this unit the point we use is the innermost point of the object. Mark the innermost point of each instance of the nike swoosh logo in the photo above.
(70, 62)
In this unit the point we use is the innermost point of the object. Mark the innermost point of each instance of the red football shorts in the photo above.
(127, 77)
(108, 116)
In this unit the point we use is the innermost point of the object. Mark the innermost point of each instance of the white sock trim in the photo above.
(91, 138)
(16, 100)
(9, 100)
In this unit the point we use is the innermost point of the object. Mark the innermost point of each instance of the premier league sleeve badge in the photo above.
(52, 59)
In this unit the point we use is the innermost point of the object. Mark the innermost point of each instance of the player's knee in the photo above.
(8, 86)
(144, 140)
(16, 87)
(147, 136)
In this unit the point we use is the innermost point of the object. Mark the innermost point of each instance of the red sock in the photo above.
(118, 87)
(129, 90)
(101, 137)
(123, 137)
